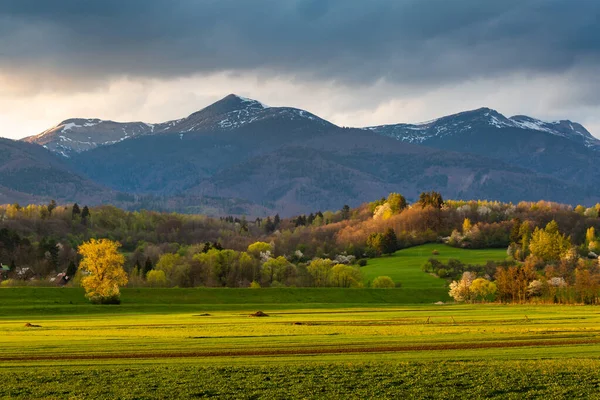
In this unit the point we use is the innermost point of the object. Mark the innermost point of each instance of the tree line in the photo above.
(39, 241)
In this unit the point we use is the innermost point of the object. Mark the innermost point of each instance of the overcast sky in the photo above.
(354, 62)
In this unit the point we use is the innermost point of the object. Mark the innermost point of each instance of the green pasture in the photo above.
(314, 343)
(164, 324)
(405, 265)
(48, 302)
(544, 379)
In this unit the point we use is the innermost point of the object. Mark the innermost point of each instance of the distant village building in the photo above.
(60, 279)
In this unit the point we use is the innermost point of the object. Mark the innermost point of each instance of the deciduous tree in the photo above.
(259, 247)
(482, 289)
(549, 244)
(103, 265)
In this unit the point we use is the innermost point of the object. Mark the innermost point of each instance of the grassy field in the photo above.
(405, 265)
(180, 343)
(549, 379)
(48, 302)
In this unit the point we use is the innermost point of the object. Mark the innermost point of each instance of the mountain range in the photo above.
(239, 156)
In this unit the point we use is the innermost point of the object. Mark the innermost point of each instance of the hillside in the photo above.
(562, 149)
(307, 168)
(404, 266)
(30, 174)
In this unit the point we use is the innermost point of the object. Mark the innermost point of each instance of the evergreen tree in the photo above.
(269, 225)
(85, 214)
(51, 206)
(345, 213)
(71, 270)
(276, 221)
(389, 242)
(76, 211)
(147, 266)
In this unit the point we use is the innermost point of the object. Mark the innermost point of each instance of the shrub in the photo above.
(435, 253)
(431, 265)
(362, 262)
(383, 282)
(254, 285)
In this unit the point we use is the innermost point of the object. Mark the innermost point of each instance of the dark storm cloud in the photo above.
(417, 42)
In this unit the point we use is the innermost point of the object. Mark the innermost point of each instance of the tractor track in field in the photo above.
(306, 351)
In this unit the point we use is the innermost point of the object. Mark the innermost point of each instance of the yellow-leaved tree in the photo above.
(549, 244)
(102, 265)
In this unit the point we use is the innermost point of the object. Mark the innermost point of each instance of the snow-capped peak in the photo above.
(232, 112)
(251, 101)
(478, 120)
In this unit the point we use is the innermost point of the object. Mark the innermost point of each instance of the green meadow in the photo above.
(314, 342)
(330, 343)
(405, 265)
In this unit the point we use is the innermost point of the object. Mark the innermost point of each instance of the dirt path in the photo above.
(306, 351)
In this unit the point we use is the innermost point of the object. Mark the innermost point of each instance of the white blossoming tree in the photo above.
(461, 291)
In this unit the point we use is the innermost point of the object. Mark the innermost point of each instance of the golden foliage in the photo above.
(549, 244)
(467, 226)
(104, 265)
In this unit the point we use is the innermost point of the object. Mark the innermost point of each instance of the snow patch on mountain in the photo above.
(479, 119)
(530, 123)
(252, 101)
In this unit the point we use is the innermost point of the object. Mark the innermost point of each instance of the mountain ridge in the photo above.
(241, 156)
(76, 135)
(465, 120)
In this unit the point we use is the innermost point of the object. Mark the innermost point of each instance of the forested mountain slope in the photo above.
(243, 157)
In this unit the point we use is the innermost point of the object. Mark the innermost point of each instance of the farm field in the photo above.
(405, 265)
(158, 347)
